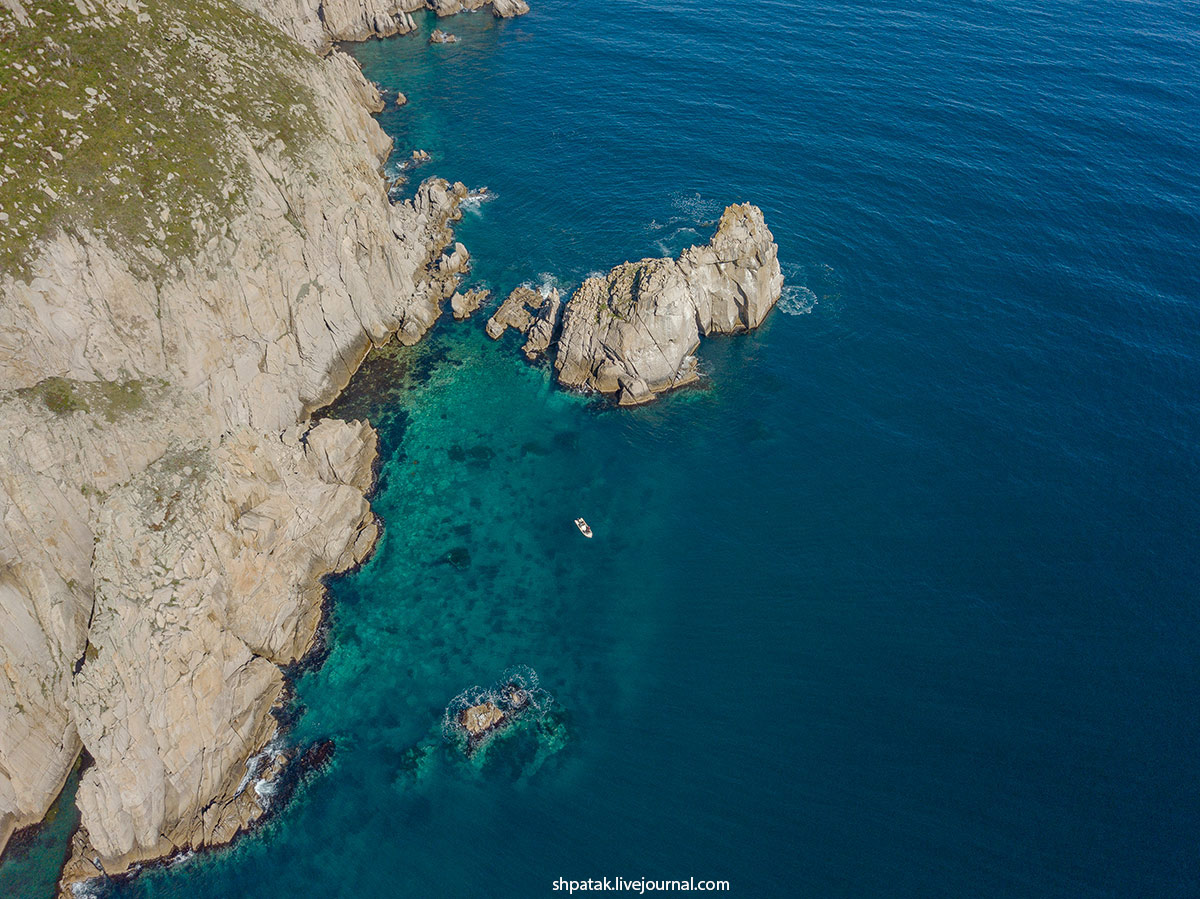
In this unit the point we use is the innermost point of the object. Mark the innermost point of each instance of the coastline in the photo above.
(352, 473)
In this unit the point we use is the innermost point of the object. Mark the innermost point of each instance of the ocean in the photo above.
(901, 599)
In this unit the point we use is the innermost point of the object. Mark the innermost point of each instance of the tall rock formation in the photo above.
(634, 331)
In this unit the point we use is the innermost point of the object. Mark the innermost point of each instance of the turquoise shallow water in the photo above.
(902, 600)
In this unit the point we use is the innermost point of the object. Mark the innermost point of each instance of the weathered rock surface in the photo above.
(478, 719)
(318, 23)
(462, 305)
(164, 519)
(634, 331)
(545, 322)
(506, 9)
(206, 578)
(533, 314)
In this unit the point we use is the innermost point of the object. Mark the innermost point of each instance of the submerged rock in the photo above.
(459, 557)
(634, 331)
(476, 714)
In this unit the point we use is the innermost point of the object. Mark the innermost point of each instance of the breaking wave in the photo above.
(476, 198)
(797, 300)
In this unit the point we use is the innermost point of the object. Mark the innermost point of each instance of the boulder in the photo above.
(454, 262)
(506, 9)
(401, 100)
(533, 314)
(514, 312)
(540, 333)
(479, 719)
(462, 305)
(442, 37)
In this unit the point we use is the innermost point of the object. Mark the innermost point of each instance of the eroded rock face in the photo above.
(318, 23)
(479, 719)
(533, 314)
(206, 576)
(194, 591)
(634, 331)
(462, 305)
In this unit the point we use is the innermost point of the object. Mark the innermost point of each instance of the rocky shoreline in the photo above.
(167, 509)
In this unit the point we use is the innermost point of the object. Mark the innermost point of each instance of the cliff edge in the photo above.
(196, 250)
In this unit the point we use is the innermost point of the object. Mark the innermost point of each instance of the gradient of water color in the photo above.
(903, 600)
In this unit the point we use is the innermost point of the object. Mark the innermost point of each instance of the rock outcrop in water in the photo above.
(634, 331)
(533, 314)
(463, 305)
(166, 511)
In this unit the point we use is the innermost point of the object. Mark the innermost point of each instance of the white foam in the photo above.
(797, 300)
(476, 198)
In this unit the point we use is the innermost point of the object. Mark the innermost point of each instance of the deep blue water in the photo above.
(902, 600)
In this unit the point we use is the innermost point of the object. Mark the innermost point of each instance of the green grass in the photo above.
(59, 396)
(112, 399)
(131, 129)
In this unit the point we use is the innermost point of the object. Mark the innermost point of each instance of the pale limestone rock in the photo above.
(207, 575)
(479, 719)
(735, 278)
(463, 304)
(318, 23)
(264, 323)
(634, 331)
(506, 9)
(533, 314)
(545, 322)
(515, 312)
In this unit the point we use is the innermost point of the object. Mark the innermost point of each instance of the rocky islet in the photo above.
(633, 333)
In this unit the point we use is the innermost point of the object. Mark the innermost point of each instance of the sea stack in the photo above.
(634, 331)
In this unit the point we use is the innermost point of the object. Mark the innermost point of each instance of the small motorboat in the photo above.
(583, 527)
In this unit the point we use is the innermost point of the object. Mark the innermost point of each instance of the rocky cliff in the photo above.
(196, 249)
(315, 23)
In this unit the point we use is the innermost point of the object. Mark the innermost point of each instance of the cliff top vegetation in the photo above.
(130, 119)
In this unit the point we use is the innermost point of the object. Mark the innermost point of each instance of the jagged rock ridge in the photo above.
(634, 331)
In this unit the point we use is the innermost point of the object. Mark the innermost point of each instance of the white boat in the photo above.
(583, 527)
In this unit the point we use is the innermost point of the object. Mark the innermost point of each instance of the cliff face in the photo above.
(315, 23)
(167, 318)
